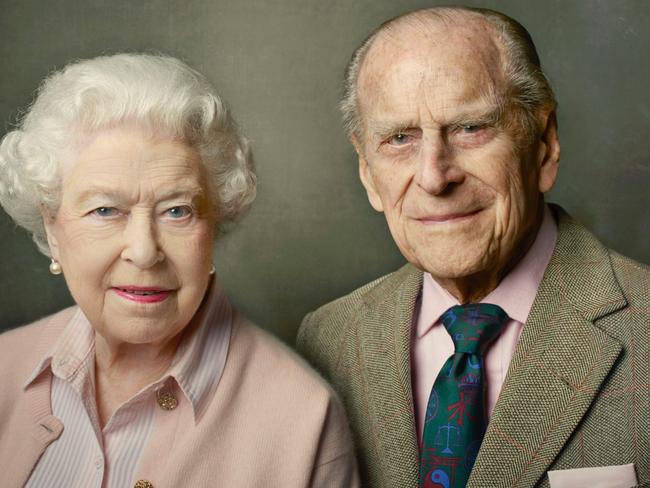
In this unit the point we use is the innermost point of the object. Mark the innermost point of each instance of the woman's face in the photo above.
(134, 235)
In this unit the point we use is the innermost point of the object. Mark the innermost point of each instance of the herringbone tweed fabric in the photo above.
(577, 393)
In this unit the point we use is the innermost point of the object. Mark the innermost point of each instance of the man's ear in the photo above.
(367, 179)
(49, 224)
(548, 158)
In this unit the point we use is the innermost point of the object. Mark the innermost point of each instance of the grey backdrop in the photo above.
(311, 235)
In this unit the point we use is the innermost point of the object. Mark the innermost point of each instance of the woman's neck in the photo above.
(122, 370)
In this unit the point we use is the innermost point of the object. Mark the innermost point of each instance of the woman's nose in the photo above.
(141, 244)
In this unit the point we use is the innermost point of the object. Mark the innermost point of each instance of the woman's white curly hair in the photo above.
(158, 93)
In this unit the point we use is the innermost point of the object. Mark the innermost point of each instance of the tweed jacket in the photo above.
(577, 392)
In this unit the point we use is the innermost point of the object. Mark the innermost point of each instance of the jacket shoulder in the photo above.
(33, 330)
(271, 405)
(323, 331)
(274, 358)
(297, 391)
(20, 347)
(634, 278)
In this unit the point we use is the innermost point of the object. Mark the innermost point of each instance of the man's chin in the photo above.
(456, 266)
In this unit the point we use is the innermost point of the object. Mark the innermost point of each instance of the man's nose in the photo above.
(141, 243)
(436, 170)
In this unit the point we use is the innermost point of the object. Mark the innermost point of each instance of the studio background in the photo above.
(311, 235)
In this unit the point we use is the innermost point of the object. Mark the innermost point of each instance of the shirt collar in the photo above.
(69, 351)
(197, 365)
(514, 294)
(201, 356)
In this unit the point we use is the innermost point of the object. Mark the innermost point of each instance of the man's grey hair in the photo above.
(159, 94)
(528, 89)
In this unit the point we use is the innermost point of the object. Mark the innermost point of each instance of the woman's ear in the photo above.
(49, 223)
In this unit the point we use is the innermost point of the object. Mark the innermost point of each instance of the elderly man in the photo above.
(509, 310)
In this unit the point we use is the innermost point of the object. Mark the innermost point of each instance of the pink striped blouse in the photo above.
(89, 456)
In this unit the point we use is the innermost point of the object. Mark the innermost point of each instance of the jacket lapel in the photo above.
(44, 430)
(38, 428)
(384, 336)
(560, 362)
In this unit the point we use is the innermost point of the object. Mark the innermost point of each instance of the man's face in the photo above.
(444, 158)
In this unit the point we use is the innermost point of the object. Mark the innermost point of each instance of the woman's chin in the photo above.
(137, 323)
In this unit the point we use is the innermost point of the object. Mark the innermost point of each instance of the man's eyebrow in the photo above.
(385, 128)
(488, 116)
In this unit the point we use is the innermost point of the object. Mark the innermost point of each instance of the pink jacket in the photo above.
(271, 422)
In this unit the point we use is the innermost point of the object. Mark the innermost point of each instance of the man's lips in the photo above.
(143, 294)
(448, 217)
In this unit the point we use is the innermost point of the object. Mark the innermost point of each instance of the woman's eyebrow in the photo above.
(102, 193)
(181, 191)
(98, 193)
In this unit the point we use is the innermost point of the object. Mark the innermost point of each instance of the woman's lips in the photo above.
(141, 294)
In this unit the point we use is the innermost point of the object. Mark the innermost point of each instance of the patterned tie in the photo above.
(455, 420)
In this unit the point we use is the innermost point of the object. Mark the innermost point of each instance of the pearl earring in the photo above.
(55, 267)
(213, 270)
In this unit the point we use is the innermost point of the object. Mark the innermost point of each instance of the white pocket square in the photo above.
(622, 476)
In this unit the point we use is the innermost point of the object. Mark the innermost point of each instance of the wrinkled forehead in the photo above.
(433, 54)
(127, 157)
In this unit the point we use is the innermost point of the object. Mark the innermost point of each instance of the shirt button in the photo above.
(99, 462)
(166, 400)
(143, 484)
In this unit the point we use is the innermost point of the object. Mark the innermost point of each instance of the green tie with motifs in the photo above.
(455, 419)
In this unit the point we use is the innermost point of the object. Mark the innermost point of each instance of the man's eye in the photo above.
(105, 212)
(179, 212)
(471, 128)
(399, 139)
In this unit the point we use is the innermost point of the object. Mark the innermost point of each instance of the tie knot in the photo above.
(474, 326)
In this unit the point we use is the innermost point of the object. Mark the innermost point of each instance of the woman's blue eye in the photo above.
(105, 211)
(179, 212)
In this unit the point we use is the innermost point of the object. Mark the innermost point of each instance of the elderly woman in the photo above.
(123, 169)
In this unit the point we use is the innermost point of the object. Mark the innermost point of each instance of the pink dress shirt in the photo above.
(432, 345)
(87, 455)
